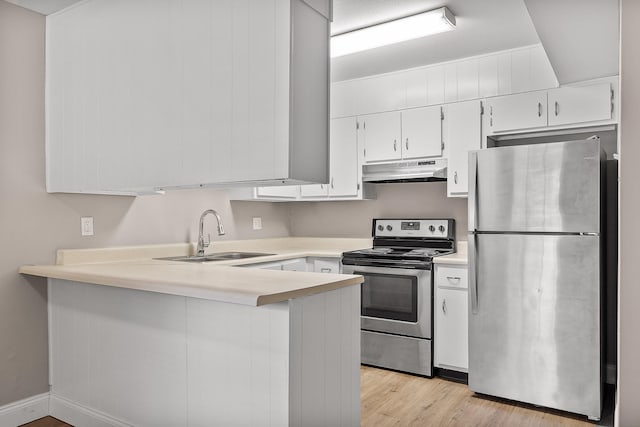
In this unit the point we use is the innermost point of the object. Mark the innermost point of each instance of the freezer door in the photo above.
(535, 334)
(552, 187)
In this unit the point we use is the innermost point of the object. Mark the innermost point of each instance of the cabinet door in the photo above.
(422, 132)
(299, 264)
(343, 157)
(324, 265)
(382, 137)
(279, 192)
(463, 121)
(314, 190)
(521, 111)
(580, 104)
(451, 348)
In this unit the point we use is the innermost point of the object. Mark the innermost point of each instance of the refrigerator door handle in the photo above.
(473, 282)
(473, 187)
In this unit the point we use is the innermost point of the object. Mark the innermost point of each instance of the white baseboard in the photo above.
(78, 415)
(24, 411)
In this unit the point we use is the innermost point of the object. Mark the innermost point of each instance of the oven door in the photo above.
(395, 300)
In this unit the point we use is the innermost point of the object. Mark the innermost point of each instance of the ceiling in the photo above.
(481, 27)
(44, 7)
(580, 36)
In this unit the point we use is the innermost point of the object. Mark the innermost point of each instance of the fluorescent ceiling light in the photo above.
(399, 30)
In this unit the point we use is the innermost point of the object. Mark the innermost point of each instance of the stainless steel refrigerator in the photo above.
(535, 274)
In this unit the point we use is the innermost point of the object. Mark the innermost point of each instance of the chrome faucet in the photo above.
(202, 244)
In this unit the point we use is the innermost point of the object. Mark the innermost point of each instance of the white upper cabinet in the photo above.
(278, 192)
(580, 104)
(463, 123)
(565, 106)
(344, 163)
(382, 136)
(343, 173)
(422, 132)
(150, 95)
(521, 111)
(314, 190)
(405, 135)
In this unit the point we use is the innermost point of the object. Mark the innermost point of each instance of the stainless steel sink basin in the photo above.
(220, 256)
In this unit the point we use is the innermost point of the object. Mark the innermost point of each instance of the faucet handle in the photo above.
(206, 243)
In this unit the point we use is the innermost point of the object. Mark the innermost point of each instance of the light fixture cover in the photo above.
(399, 30)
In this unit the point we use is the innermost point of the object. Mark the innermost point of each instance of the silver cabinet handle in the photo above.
(322, 186)
(457, 279)
(406, 143)
(331, 182)
(444, 306)
(557, 108)
(539, 109)
(395, 148)
(325, 270)
(455, 177)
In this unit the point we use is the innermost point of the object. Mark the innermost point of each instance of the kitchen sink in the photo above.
(220, 256)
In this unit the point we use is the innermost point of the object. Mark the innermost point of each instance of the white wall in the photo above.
(628, 400)
(353, 219)
(33, 224)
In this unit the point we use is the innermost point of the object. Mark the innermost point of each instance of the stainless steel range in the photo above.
(396, 316)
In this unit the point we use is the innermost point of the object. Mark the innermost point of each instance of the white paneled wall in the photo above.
(501, 73)
(125, 357)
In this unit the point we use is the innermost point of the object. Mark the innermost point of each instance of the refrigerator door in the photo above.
(552, 187)
(535, 333)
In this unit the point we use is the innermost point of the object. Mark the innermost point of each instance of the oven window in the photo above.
(389, 296)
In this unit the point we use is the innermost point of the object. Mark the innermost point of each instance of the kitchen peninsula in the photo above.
(141, 341)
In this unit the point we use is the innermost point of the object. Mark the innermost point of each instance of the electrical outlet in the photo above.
(257, 223)
(86, 225)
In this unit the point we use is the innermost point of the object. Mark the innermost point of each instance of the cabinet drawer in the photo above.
(451, 277)
(325, 265)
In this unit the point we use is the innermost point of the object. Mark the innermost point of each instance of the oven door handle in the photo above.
(357, 269)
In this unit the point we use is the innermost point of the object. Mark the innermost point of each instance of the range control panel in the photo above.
(431, 228)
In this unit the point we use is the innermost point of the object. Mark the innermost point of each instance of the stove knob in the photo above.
(389, 228)
(380, 228)
(432, 228)
(441, 228)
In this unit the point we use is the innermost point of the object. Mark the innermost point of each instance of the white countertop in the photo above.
(459, 258)
(134, 268)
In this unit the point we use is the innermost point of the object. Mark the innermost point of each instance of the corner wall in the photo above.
(33, 224)
(353, 218)
(627, 407)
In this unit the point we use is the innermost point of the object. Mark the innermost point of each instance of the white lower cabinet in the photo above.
(298, 264)
(324, 265)
(451, 318)
(311, 264)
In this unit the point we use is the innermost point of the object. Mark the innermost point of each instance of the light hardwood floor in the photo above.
(395, 399)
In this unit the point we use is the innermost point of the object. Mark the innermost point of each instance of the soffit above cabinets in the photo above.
(481, 27)
(581, 37)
